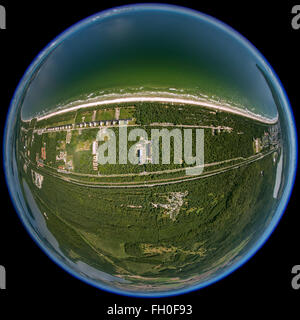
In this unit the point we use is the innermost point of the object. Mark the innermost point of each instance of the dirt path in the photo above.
(117, 113)
(94, 115)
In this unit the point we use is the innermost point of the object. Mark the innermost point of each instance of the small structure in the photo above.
(95, 147)
(95, 155)
(144, 151)
(257, 145)
(37, 179)
(43, 152)
(61, 156)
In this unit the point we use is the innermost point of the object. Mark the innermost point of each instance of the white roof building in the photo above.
(95, 147)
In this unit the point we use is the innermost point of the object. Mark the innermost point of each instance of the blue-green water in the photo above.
(155, 48)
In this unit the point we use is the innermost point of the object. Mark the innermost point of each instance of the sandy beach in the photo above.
(180, 100)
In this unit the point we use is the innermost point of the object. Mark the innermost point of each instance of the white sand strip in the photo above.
(207, 104)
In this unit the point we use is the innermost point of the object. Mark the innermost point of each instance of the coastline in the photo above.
(174, 99)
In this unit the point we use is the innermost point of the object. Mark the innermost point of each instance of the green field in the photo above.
(120, 232)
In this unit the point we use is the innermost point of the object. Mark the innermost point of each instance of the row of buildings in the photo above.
(90, 124)
(270, 139)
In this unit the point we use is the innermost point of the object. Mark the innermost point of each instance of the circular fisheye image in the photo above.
(150, 150)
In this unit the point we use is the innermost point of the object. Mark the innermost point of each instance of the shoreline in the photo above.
(180, 100)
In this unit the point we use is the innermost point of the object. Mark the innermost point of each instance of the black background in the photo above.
(262, 285)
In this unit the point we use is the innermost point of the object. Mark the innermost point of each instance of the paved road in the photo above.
(156, 182)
